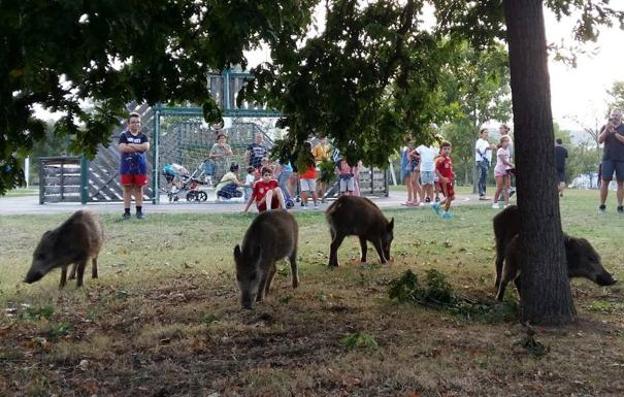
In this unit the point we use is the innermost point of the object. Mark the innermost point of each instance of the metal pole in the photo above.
(84, 180)
(226, 89)
(156, 156)
(27, 171)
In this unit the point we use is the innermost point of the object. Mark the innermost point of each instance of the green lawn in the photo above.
(164, 317)
(19, 192)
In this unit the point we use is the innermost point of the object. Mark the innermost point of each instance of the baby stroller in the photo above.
(181, 183)
(288, 200)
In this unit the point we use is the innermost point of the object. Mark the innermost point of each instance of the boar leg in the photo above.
(363, 249)
(72, 272)
(500, 248)
(378, 247)
(270, 276)
(262, 286)
(80, 273)
(333, 249)
(63, 277)
(294, 269)
(509, 273)
(94, 273)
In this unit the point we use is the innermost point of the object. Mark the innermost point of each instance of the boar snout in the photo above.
(605, 279)
(33, 275)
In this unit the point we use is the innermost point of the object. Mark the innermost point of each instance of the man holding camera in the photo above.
(612, 135)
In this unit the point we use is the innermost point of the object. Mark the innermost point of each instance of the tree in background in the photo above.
(616, 94)
(61, 54)
(474, 86)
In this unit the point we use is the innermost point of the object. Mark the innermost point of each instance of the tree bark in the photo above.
(546, 298)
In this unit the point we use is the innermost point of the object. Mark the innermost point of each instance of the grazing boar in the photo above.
(506, 226)
(358, 216)
(582, 260)
(272, 236)
(75, 241)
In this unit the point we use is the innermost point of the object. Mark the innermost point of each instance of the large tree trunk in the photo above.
(546, 297)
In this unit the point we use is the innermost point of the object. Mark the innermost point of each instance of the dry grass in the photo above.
(164, 317)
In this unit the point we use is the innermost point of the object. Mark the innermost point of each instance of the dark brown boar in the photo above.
(582, 260)
(272, 236)
(358, 216)
(75, 241)
(506, 226)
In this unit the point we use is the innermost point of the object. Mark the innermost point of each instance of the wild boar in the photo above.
(582, 259)
(506, 226)
(272, 236)
(75, 241)
(358, 216)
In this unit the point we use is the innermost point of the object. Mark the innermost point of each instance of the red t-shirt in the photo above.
(310, 173)
(444, 165)
(261, 188)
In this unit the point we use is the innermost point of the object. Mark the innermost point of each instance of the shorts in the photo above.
(427, 177)
(561, 176)
(308, 185)
(133, 180)
(499, 172)
(448, 190)
(610, 166)
(274, 204)
(347, 185)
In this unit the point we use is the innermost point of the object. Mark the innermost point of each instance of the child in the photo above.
(502, 171)
(250, 178)
(266, 193)
(228, 186)
(307, 176)
(346, 175)
(446, 177)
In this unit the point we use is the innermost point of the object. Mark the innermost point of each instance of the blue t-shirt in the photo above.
(133, 163)
(257, 153)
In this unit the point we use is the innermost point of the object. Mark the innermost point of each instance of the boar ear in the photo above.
(391, 225)
(237, 252)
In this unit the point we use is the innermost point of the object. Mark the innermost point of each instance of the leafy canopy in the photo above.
(61, 54)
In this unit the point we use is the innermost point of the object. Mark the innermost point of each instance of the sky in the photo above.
(579, 95)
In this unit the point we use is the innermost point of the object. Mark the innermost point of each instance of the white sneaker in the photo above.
(495, 206)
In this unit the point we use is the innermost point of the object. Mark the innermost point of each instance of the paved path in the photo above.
(30, 205)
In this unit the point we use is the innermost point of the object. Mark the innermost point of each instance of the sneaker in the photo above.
(126, 215)
(437, 199)
(496, 206)
(512, 192)
(602, 208)
(446, 215)
(139, 215)
(428, 200)
(483, 198)
(620, 209)
(436, 208)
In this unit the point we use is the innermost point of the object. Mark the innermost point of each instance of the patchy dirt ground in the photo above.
(164, 318)
(189, 337)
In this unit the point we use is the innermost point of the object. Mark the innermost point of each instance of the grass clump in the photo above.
(437, 293)
(359, 340)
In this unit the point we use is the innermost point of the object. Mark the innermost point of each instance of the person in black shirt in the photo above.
(612, 135)
(561, 154)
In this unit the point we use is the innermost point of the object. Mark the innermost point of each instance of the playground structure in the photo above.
(177, 135)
